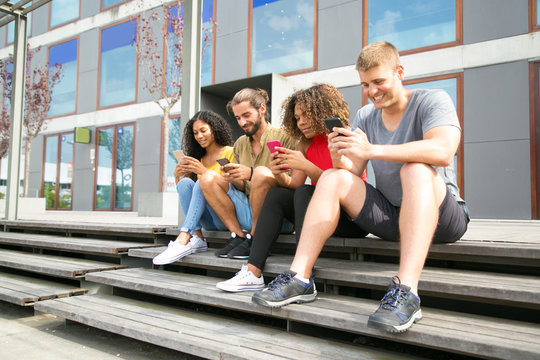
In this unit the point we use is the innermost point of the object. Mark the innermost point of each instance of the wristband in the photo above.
(251, 175)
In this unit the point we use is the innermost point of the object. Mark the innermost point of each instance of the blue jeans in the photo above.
(198, 213)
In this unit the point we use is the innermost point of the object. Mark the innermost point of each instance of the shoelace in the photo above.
(393, 298)
(282, 279)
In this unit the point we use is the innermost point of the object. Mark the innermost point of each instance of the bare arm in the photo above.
(437, 148)
(296, 160)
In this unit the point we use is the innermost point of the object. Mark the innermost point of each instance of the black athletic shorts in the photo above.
(380, 218)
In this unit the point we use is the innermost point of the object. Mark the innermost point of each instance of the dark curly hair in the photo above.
(320, 101)
(220, 129)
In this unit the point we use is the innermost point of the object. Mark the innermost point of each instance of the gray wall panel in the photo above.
(147, 152)
(89, 8)
(35, 166)
(83, 175)
(496, 102)
(491, 19)
(337, 23)
(353, 96)
(232, 40)
(88, 71)
(497, 179)
(231, 57)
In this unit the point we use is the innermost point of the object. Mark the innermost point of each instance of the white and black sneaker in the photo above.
(233, 242)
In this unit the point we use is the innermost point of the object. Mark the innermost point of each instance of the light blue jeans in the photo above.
(200, 215)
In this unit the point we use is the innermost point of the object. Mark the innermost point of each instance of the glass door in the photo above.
(114, 150)
(58, 171)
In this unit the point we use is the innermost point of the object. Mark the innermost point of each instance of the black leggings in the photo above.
(290, 204)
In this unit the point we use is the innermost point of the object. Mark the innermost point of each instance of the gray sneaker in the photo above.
(399, 309)
(285, 289)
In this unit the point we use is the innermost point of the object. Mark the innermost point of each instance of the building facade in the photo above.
(484, 53)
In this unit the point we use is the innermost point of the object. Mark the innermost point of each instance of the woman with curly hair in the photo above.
(207, 137)
(304, 114)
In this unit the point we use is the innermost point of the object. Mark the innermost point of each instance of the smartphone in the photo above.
(178, 154)
(272, 145)
(332, 123)
(223, 161)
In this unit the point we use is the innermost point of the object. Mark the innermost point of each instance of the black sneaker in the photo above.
(286, 289)
(233, 242)
(241, 251)
(399, 309)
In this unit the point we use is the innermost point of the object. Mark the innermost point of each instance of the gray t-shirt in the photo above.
(425, 110)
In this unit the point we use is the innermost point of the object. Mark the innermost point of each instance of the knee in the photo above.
(262, 177)
(334, 177)
(416, 172)
(185, 184)
(208, 179)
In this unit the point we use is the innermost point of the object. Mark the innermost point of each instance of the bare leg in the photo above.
(183, 238)
(262, 181)
(423, 193)
(255, 270)
(215, 189)
(334, 188)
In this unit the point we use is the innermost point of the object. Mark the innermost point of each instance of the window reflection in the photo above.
(63, 96)
(104, 168)
(282, 36)
(118, 64)
(124, 167)
(412, 24)
(107, 3)
(63, 11)
(49, 173)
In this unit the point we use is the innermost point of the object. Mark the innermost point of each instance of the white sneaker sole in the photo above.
(173, 259)
(239, 288)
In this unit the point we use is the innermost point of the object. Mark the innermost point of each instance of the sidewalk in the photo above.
(25, 336)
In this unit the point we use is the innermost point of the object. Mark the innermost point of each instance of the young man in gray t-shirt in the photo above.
(411, 138)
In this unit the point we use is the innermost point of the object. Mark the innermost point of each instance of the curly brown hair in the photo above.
(220, 129)
(319, 102)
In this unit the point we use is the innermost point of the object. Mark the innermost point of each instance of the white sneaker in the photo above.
(174, 252)
(244, 280)
(198, 244)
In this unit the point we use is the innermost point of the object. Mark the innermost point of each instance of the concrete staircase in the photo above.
(480, 296)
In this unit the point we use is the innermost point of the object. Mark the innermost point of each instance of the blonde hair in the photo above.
(377, 53)
(255, 98)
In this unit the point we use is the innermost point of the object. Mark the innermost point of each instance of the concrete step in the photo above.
(25, 290)
(450, 331)
(71, 244)
(207, 336)
(476, 286)
(59, 266)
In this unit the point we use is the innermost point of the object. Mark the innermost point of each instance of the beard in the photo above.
(255, 128)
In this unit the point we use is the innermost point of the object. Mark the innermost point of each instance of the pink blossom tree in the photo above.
(163, 78)
(39, 83)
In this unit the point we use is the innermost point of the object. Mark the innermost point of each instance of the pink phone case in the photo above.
(272, 145)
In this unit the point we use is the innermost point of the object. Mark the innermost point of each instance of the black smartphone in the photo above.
(223, 161)
(332, 123)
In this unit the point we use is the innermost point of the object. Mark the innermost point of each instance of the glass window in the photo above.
(124, 167)
(63, 11)
(50, 170)
(207, 41)
(174, 72)
(282, 36)
(64, 95)
(174, 144)
(104, 168)
(65, 176)
(118, 66)
(109, 3)
(114, 151)
(412, 24)
(537, 12)
(11, 27)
